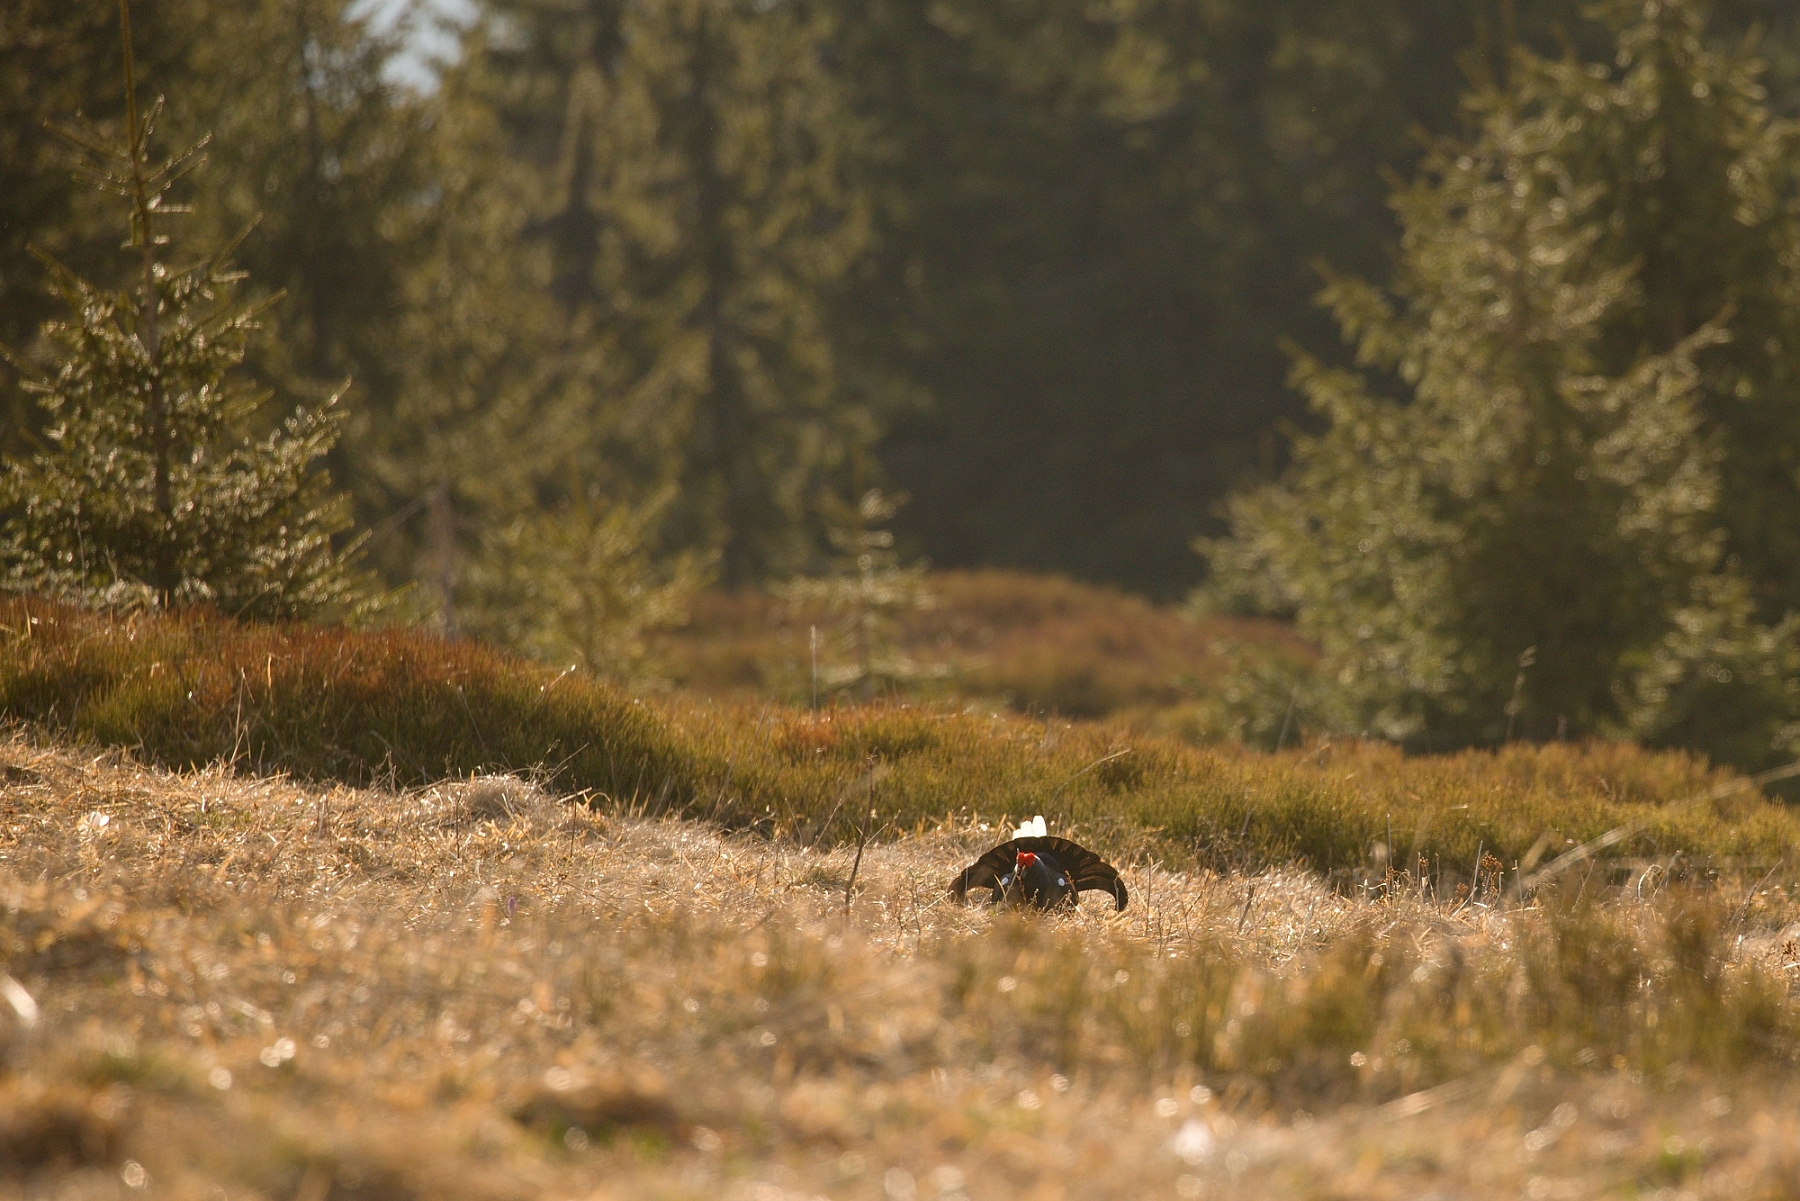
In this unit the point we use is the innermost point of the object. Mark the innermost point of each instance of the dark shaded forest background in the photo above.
(1055, 246)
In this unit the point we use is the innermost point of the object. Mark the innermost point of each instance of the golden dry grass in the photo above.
(476, 989)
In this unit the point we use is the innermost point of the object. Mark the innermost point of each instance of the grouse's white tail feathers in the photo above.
(1031, 829)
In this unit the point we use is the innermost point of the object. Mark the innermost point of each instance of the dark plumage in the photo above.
(1041, 872)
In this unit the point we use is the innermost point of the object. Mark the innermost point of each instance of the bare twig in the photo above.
(1245, 915)
(1292, 696)
(1474, 879)
(862, 840)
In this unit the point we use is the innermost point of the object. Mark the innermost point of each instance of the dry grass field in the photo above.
(301, 913)
(237, 986)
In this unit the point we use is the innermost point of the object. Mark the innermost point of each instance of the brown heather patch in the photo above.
(1028, 643)
(480, 989)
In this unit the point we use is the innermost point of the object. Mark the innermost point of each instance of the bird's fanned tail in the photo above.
(1086, 871)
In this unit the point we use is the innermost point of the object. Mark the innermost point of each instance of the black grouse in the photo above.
(1039, 871)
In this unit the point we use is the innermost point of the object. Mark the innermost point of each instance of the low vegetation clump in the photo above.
(481, 989)
(408, 709)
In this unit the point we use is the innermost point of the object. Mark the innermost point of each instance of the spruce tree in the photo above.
(156, 482)
(1530, 542)
(338, 165)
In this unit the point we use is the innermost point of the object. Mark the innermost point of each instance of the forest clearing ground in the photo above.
(479, 990)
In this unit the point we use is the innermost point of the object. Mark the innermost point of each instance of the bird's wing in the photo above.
(1087, 871)
(986, 871)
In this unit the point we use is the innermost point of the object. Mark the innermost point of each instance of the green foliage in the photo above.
(57, 57)
(1102, 223)
(1701, 195)
(154, 481)
(330, 704)
(491, 413)
(1534, 541)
